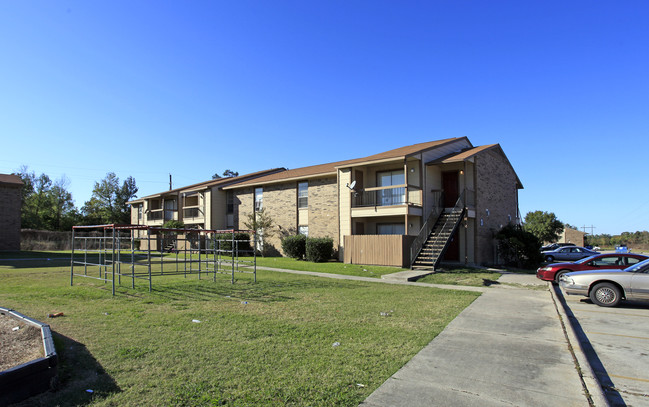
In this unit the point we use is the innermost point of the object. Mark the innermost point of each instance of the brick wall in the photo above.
(496, 192)
(9, 217)
(323, 209)
(572, 236)
(280, 202)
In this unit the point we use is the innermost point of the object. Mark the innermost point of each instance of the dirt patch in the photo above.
(18, 346)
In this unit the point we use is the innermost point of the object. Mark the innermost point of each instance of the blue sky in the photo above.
(146, 89)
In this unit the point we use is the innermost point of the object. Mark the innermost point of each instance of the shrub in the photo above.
(225, 241)
(173, 224)
(319, 249)
(518, 247)
(294, 246)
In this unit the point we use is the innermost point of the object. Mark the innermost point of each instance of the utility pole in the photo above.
(170, 182)
(591, 227)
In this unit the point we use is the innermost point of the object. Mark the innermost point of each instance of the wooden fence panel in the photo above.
(383, 250)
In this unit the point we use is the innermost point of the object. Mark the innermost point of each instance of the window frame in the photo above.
(259, 199)
(303, 195)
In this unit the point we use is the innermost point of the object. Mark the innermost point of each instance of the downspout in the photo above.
(405, 171)
(475, 203)
(466, 232)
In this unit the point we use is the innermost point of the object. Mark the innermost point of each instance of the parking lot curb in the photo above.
(592, 387)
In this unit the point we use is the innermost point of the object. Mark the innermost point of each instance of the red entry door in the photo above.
(451, 186)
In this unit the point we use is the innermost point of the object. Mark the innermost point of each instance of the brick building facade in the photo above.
(10, 205)
(385, 198)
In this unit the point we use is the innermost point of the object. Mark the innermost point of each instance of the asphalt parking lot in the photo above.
(616, 343)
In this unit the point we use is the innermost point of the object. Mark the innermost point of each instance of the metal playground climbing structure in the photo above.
(125, 253)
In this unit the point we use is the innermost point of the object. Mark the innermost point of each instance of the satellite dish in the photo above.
(352, 185)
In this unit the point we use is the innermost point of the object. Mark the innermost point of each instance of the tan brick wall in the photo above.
(495, 191)
(280, 202)
(9, 217)
(323, 209)
(572, 236)
(244, 201)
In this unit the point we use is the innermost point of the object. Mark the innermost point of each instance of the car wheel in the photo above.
(549, 259)
(557, 276)
(605, 295)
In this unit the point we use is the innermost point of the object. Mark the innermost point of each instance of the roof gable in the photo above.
(472, 152)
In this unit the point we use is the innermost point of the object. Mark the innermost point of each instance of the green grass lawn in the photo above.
(332, 267)
(461, 276)
(269, 343)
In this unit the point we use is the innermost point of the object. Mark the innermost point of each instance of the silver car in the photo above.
(607, 288)
(568, 253)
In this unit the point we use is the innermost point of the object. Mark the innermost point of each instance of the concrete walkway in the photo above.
(508, 348)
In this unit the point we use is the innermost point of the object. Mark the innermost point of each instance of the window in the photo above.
(607, 261)
(170, 209)
(229, 202)
(303, 230)
(303, 195)
(259, 198)
(389, 178)
(139, 212)
(390, 229)
(632, 260)
(391, 196)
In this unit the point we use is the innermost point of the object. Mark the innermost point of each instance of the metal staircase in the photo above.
(435, 239)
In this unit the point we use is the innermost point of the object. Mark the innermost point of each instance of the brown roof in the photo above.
(211, 183)
(332, 168)
(470, 152)
(462, 155)
(10, 179)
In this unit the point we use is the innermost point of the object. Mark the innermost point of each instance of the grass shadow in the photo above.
(487, 282)
(81, 379)
(266, 291)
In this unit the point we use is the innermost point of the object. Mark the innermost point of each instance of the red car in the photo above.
(552, 272)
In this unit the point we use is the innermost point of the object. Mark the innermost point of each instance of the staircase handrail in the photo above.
(418, 244)
(424, 231)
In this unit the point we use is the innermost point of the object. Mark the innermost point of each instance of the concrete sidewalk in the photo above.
(513, 346)
(508, 348)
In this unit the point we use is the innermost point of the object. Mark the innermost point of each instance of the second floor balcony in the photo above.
(387, 196)
(193, 214)
(386, 201)
(159, 216)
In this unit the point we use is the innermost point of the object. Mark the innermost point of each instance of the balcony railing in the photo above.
(387, 196)
(155, 214)
(192, 213)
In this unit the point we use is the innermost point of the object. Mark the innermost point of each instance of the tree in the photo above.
(226, 174)
(544, 225)
(262, 224)
(45, 204)
(108, 201)
(173, 224)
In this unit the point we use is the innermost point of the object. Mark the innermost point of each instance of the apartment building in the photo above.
(204, 205)
(415, 206)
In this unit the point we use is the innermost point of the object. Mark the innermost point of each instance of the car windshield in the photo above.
(641, 267)
(585, 260)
